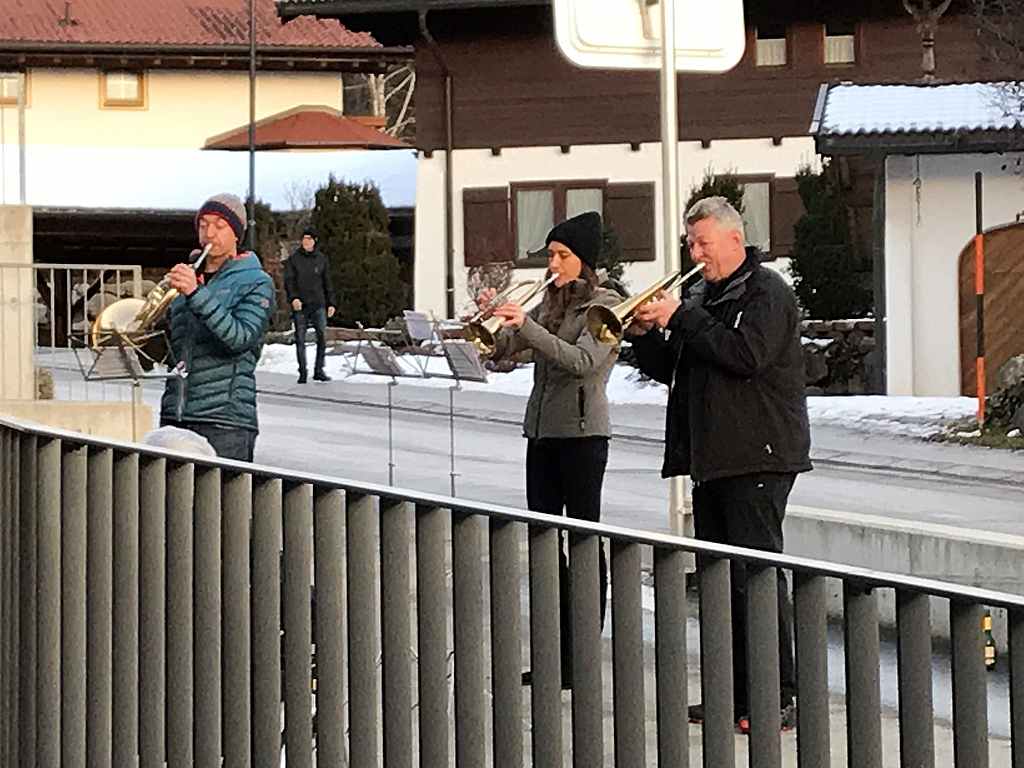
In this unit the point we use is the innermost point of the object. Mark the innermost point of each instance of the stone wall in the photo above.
(840, 356)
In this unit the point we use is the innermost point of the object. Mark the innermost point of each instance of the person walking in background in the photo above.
(217, 325)
(566, 424)
(307, 282)
(737, 413)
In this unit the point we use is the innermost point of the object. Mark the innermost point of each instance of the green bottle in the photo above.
(990, 643)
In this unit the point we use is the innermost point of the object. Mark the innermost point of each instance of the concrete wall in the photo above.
(17, 298)
(110, 420)
(616, 163)
(929, 219)
(942, 552)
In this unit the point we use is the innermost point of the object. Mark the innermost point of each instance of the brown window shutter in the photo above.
(487, 235)
(629, 210)
(787, 208)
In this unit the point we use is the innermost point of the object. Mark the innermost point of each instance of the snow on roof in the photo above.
(873, 109)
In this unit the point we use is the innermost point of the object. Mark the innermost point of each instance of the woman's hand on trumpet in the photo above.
(512, 315)
(485, 298)
(658, 311)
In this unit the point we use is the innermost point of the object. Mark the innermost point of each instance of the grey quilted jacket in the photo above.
(570, 373)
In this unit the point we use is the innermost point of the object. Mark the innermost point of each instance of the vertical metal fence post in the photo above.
(100, 589)
(716, 664)
(628, 657)
(545, 646)
(48, 696)
(329, 634)
(811, 625)
(208, 711)
(587, 709)
(506, 644)
(763, 666)
(298, 627)
(266, 623)
(914, 659)
(237, 623)
(970, 699)
(432, 599)
(125, 638)
(1015, 620)
(180, 616)
(396, 590)
(28, 533)
(152, 612)
(863, 696)
(670, 651)
(73, 596)
(467, 577)
(361, 528)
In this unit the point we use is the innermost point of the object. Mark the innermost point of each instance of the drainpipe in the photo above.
(449, 259)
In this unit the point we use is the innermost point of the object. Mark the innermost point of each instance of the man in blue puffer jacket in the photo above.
(217, 324)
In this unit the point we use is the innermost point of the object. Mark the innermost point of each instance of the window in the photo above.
(757, 214)
(840, 43)
(123, 89)
(537, 207)
(771, 46)
(9, 83)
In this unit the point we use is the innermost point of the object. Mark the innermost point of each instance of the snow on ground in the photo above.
(908, 416)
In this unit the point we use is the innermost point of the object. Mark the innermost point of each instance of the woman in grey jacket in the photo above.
(566, 423)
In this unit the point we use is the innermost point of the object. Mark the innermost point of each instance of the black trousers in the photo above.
(747, 511)
(566, 474)
(304, 318)
(229, 442)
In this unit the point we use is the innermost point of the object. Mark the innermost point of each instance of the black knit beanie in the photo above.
(230, 208)
(581, 234)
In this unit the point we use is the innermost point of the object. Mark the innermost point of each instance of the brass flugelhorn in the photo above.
(483, 327)
(130, 322)
(608, 324)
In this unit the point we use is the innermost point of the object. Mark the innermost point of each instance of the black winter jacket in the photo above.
(307, 277)
(736, 373)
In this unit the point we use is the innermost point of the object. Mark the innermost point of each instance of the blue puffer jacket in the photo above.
(218, 333)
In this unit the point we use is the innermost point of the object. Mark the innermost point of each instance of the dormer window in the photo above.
(840, 43)
(123, 89)
(771, 46)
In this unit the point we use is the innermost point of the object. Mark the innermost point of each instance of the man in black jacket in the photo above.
(307, 280)
(737, 413)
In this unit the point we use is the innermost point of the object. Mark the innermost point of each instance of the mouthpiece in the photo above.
(197, 257)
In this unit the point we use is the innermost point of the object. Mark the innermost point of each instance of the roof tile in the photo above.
(167, 23)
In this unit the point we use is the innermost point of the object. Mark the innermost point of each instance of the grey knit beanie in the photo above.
(230, 208)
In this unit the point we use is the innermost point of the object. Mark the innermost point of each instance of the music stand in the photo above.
(118, 360)
(382, 361)
(464, 362)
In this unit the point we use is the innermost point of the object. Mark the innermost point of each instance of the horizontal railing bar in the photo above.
(42, 266)
(868, 578)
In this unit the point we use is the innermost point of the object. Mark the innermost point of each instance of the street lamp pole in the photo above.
(251, 202)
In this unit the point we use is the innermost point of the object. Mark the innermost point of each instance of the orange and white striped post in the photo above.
(979, 291)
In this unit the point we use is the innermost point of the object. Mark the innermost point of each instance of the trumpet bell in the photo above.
(482, 335)
(116, 320)
(604, 325)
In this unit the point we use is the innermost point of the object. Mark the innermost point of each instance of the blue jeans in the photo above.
(317, 318)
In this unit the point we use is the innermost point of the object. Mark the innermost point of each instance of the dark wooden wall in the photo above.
(512, 87)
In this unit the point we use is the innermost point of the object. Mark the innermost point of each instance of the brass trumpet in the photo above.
(130, 321)
(608, 324)
(482, 328)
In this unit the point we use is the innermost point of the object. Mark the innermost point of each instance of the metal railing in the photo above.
(62, 298)
(144, 594)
